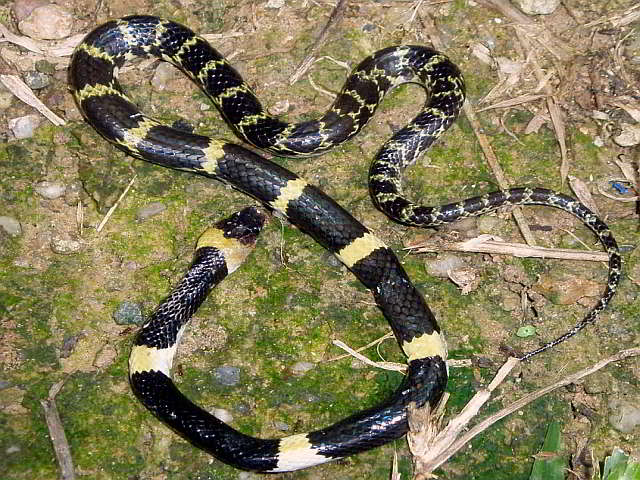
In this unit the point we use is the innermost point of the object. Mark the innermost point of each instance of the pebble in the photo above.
(4, 384)
(50, 190)
(331, 260)
(42, 66)
(47, 22)
(439, 266)
(128, 313)
(68, 344)
(227, 375)
(301, 368)
(37, 80)
(10, 225)
(624, 415)
(222, 415)
(539, 7)
(23, 8)
(24, 127)
(6, 97)
(369, 27)
(65, 246)
(283, 427)
(562, 288)
(150, 210)
(629, 135)
(105, 357)
(165, 72)
(72, 193)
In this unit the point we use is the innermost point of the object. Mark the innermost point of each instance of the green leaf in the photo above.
(550, 463)
(619, 466)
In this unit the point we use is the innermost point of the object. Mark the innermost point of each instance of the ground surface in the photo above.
(290, 300)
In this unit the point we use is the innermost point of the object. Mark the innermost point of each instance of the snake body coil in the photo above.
(93, 80)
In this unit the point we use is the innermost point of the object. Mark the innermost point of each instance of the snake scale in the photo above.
(93, 79)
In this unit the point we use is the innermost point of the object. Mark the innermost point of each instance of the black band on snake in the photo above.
(93, 80)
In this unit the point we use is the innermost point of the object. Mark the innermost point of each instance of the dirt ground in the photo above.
(556, 100)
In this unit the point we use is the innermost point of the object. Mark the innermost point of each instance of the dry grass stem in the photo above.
(512, 102)
(439, 459)
(334, 19)
(431, 449)
(24, 93)
(492, 244)
(497, 170)
(396, 367)
(56, 432)
(115, 205)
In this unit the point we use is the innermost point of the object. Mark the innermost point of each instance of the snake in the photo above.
(93, 80)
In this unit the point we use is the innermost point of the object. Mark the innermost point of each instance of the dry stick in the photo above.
(336, 17)
(488, 244)
(552, 105)
(427, 444)
(490, 157)
(115, 205)
(456, 445)
(56, 432)
(15, 85)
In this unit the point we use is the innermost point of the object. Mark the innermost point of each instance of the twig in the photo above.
(56, 432)
(489, 244)
(552, 105)
(336, 16)
(24, 93)
(456, 445)
(489, 156)
(396, 367)
(115, 205)
(429, 453)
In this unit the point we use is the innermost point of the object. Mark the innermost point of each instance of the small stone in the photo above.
(331, 260)
(629, 135)
(563, 288)
(23, 8)
(6, 97)
(227, 375)
(164, 74)
(539, 7)
(68, 344)
(624, 415)
(105, 357)
(65, 246)
(72, 193)
(48, 22)
(50, 190)
(369, 27)
(128, 313)
(301, 368)
(12, 449)
(44, 66)
(24, 127)
(10, 225)
(150, 210)
(36, 80)
(275, 4)
(222, 415)
(283, 427)
(442, 264)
